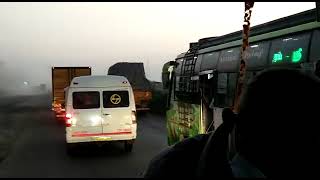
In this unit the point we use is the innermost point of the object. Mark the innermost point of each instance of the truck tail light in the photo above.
(134, 117)
(147, 94)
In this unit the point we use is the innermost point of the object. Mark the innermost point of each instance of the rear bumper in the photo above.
(142, 109)
(104, 137)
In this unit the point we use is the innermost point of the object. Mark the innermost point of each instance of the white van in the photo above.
(100, 108)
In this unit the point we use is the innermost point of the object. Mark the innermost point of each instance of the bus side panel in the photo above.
(183, 121)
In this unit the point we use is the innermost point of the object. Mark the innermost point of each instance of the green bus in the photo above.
(202, 81)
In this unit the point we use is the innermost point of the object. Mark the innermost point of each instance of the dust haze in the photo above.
(34, 37)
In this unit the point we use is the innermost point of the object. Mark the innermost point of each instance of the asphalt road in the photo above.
(32, 144)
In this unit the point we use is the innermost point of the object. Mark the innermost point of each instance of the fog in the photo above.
(34, 37)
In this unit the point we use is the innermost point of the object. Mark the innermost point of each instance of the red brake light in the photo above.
(68, 122)
(68, 119)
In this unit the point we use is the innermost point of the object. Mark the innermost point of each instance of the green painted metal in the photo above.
(179, 129)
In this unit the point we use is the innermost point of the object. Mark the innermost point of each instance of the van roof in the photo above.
(99, 81)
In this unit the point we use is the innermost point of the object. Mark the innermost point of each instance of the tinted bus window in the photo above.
(315, 46)
(222, 83)
(198, 64)
(209, 61)
(232, 86)
(86, 100)
(115, 99)
(290, 49)
(177, 83)
(229, 60)
(178, 67)
(226, 88)
(257, 55)
(221, 93)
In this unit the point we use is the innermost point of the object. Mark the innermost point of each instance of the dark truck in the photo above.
(141, 86)
(61, 78)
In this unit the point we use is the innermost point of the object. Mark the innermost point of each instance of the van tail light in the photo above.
(68, 120)
(68, 116)
(134, 117)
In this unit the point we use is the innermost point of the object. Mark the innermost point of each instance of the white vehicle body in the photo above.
(109, 117)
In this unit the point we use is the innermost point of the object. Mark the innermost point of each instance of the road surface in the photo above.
(36, 144)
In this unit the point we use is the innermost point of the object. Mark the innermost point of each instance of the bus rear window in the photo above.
(115, 99)
(86, 100)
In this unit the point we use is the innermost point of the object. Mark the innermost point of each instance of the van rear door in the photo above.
(116, 111)
(86, 113)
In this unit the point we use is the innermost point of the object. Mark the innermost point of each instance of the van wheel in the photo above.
(70, 148)
(128, 145)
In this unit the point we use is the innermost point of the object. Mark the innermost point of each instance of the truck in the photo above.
(61, 78)
(134, 72)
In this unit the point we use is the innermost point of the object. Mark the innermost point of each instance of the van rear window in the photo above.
(86, 100)
(115, 99)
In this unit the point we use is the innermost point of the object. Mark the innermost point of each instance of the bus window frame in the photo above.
(236, 61)
(267, 54)
(203, 61)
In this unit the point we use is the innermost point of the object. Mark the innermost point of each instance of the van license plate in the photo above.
(102, 138)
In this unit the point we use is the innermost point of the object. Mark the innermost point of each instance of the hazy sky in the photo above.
(36, 36)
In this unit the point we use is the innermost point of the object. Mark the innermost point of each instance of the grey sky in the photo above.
(36, 36)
